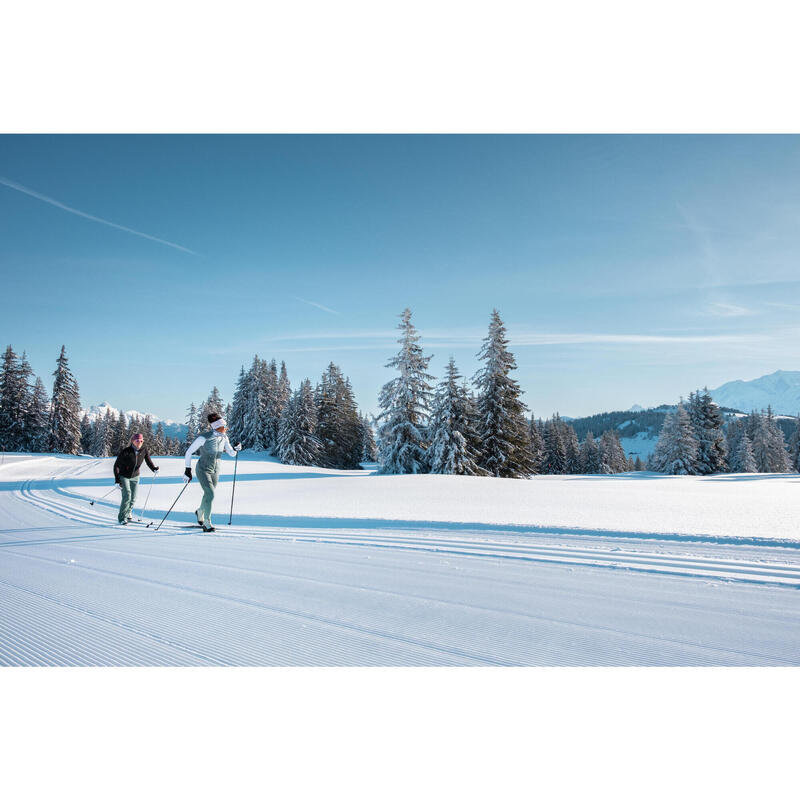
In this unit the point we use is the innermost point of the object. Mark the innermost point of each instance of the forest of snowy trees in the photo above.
(481, 429)
(696, 440)
(457, 427)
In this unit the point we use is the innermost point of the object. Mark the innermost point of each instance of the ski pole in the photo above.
(186, 483)
(147, 499)
(115, 486)
(233, 491)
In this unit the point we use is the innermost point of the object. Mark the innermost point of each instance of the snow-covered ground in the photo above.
(322, 567)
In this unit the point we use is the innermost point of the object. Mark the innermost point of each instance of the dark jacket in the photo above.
(129, 460)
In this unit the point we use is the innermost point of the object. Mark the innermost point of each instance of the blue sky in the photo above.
(628, 269)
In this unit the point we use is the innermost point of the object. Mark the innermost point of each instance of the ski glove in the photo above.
(188, 473)
(237, 447)
(156, 469)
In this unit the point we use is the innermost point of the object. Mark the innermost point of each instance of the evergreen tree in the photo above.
(572, 450)
(255, 406)
(236, 416)
(612, 456)
(555, 448)
(191, 425)
(505, 441)
(147, 431)
(369, 450)
(707, 424)
(405, 404)
(283, 391)
(14, 400)
(159, 441)
(37, 422)
(119, 437)
(86, 434)
(338, 426)
(637, 464)
(676, 449)
(591, 461)
(452, 429)
(794, 447)
(298, 443)
(778, 457)
(537, 446)
(65, 409)
(741, 458)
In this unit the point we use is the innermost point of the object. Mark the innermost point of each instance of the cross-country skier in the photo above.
(210, 448)
(126, 474)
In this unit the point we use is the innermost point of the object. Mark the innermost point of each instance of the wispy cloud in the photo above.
(539, 339)
(45, 199)
(317, 305)
(720, 309)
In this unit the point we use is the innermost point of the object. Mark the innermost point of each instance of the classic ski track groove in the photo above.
(438, 601)
(682, 566)
(58, 640)
(362, 629)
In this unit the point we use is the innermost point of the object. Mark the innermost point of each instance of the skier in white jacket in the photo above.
(211, 448)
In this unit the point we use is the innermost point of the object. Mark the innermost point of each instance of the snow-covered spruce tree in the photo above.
(676, 450)
(779, 458)
(191, 425)
(86, 434)
(121, 438)
(591, 462)
(338, 426)
(255, 406)
(283, 391)
(159, 441)
(638, 466)
(612, 456)
(452, 428)
(707, 423)
(65, 409)
(537, 445)
(14, 400)
(298, 443)
(555, 447)
(505, 441)
(147, 431)
(37, 431)
(237, 413)
(572, 450)
(741, 457)
(405, 403)
(369, 450)
(794, 447)
(271, 417)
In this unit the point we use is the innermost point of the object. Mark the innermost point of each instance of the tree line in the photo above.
(481, 429)
(696, 440)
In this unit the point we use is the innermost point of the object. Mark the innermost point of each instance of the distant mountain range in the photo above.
(781, 390)
(171, 428)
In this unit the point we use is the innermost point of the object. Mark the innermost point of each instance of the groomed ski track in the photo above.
(77, 590)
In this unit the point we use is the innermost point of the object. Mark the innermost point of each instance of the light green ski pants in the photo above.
(129, 487)
(208, 480)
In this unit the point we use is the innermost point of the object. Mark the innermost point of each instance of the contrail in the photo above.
(25, 190)
(318, 305)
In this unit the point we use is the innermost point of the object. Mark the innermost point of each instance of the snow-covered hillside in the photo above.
(781, 390)
(351, 568)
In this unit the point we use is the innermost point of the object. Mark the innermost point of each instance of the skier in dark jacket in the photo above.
(126, 474)
(211, 448)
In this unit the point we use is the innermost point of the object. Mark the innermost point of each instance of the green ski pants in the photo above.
(129, 487)
(208, 480)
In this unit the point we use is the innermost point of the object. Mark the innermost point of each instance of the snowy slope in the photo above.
(326, 568)
(781, 390)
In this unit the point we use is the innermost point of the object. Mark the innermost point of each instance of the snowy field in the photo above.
(354, 569)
